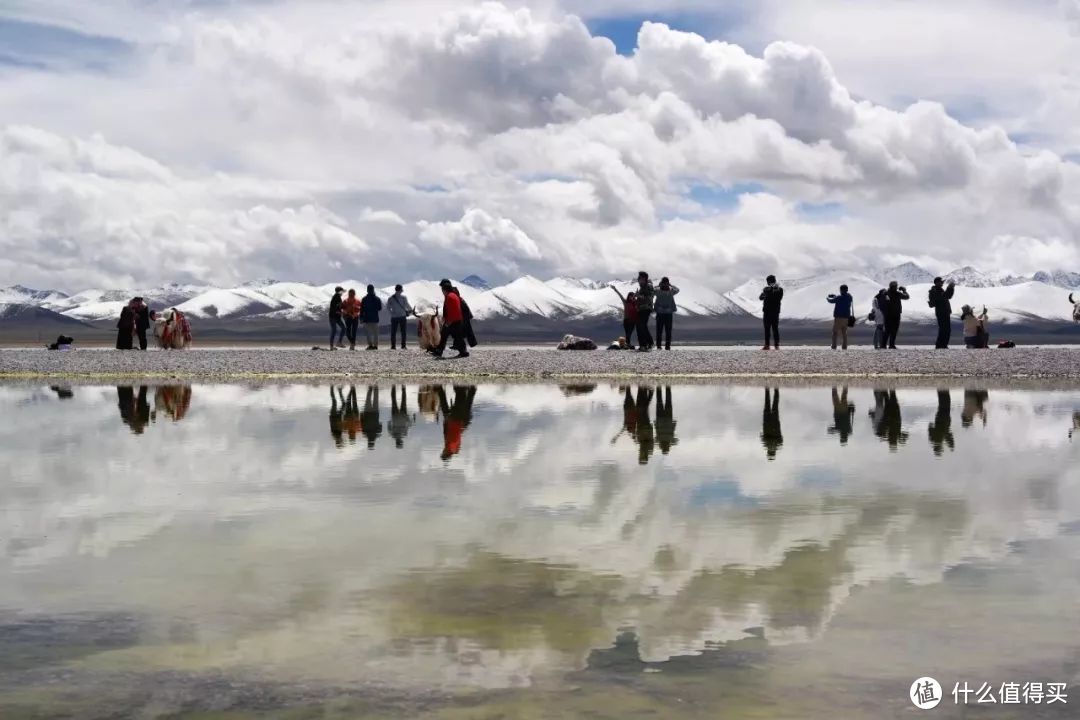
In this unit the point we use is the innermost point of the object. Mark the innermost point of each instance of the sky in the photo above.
(223, 141)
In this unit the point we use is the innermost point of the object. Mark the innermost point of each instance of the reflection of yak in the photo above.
(428, 400)
(172, 330)
(173, 400)
(134, 412)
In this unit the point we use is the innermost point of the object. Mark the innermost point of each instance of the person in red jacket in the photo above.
(453, 322)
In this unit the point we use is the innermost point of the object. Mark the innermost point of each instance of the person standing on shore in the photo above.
(938, 299)
(630, 315)
(877, 314)
(350, 310)
(337, 327)
(466, 320)
(370, 307)
(665, 312)
(125, 328)
(142, 321)
(645, 295)
(842, 304)
(894, 308)
(400, 310)
(453, 322)
(771, 297)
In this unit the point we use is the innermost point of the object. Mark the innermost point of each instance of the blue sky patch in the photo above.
(35, 45)
(820, 212)
(623, 29)
(720, 197)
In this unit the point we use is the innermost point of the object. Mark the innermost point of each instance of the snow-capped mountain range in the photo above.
(1043, 296)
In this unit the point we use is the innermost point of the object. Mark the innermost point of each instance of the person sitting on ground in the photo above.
(771, 297)
(971, 327)
(842, 305)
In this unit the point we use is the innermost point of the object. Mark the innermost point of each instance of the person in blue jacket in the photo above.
(370, 307)
(842, 305)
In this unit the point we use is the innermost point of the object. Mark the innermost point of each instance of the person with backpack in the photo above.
(939, 298)
(630, 315)
(453, 322)
(842, 316)
(771, 297)
(337, 327)
(665, 312)
(877, 316)
(400, 310)
(645, 295)
(894, 308)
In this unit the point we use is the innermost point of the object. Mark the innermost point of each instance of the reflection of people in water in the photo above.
(1076, 423)
(369, 419)
(941, 428)
(665, 420)
(64, 393)
(134, 412)
(172, 400)
(886, 418)
(843, 414)
(400, 419)
(771, 436)
(974, 406)
(456, 417)
(336, 427)
(646, 437)
(350, 415)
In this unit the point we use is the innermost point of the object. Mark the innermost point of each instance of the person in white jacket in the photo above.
(878, 312)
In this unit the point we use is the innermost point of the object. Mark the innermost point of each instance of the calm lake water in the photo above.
(535, 551)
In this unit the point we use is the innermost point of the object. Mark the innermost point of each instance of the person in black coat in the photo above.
(894, 307)
(939, 300)
(771, 297)
(125, 328)
(142, 321)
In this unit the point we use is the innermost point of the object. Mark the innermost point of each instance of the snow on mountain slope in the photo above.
(19, 295)
(525, 296)
(1023, 302)
(805, 298)
(906, 274)
(233, 303)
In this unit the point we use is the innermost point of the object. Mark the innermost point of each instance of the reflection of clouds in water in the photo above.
(262, 512)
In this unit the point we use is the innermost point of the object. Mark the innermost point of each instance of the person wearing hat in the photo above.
(337, 327)
(453, 321)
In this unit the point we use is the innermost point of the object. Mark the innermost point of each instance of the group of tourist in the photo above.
(171, 328)
(638, 307)
(348, 312)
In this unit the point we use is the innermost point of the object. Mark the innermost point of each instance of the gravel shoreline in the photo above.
(512, 363)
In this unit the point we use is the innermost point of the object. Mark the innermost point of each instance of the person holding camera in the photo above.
(894, 307)
(939, 297)
(842, 317)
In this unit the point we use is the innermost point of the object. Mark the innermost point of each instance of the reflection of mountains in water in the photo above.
(539, 538)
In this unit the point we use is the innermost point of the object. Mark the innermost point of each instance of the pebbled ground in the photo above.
(534, 363)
